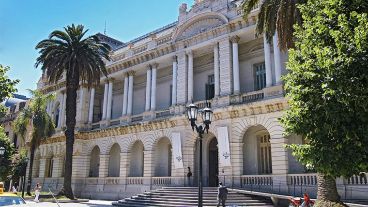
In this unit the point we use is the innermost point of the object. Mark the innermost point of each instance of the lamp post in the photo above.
(192, 112)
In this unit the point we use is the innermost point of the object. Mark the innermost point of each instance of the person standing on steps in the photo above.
(221, 195)
(189, 175)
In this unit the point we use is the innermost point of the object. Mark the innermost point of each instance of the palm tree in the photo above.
(82, 61)
(35, 115)
(276, 16)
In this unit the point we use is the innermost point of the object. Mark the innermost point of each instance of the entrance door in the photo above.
(213, 163)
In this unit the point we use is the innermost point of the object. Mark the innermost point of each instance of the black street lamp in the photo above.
(192, 112)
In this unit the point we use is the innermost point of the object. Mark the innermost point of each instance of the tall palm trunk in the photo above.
(327, 194)
(30, 171)
(71, 108)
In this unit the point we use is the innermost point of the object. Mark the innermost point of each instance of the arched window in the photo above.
(137, 160)
(94, 162)
(49, 166)
(114, 161)
(257, 158)
(163, 158)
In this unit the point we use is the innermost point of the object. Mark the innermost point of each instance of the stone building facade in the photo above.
(133, 134)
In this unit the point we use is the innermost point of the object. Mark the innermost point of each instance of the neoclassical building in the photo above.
(132, 133)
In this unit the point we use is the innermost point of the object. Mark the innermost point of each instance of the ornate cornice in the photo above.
(222, 113)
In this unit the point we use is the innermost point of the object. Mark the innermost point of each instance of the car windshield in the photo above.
(10, 200)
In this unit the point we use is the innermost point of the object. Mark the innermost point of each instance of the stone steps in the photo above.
(188, 196)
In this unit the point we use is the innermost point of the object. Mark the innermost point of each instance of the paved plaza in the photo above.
(91, 203)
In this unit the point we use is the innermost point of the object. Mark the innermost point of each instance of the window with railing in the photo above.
(259, 76)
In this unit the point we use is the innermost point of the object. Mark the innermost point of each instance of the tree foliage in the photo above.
(6, 159)
(7, 86)
(276, 16)
(327, 87)
(34, 118)
(82, 60)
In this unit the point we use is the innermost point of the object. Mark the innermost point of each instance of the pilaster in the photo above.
(182, 79)
(42, 167)
(130, 92)
(154, 86)
(148, 163)
(109, 100)
(216, 69)
(104, 166)
(174, 80)
(91, 105)
(190, 76)
(104, 106)
(80, 166)
(125, 95)
(124, 164)
(148, 88)
(225, 67)
(267, 54)
(236, 74)
(277, 57)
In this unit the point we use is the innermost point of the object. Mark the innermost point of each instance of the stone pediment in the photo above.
(199, 24)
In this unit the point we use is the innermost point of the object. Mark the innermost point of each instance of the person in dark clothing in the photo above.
(189, 175)
(221, 195)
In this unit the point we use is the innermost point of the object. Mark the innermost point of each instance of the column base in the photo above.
(104, 123)
(148, 115)
(272, 91)
(125, 120)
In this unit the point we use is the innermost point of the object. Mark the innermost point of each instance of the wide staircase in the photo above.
(188, 196)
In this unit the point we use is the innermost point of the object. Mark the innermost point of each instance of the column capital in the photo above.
(189, 53)
(131, 73)
(154, 65)
(106, 81)
(235, 39)
(174, 58)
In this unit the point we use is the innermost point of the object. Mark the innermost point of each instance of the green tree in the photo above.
(6, 159)
(327, 91)
(35, 117)
(7, 86)
(276, 16)
(20, 161)
(82, 61)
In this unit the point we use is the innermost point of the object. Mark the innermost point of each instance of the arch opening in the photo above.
(257, 158)
(94, 162)
(136, 167)
(114, 161)
(163, 158)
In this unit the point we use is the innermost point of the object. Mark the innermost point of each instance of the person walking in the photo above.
(221, 195)
(189, 175)
(37, 190)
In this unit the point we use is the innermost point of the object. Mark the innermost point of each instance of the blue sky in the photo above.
(23, 23)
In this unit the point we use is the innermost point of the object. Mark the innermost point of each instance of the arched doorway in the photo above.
(163, 158)
(136, 160)
(213, 163)
(209, 160)
(114, 161)
(94, 162)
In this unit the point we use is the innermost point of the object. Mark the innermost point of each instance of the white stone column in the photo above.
(267, 54)
(81, 105)
(277, 57)
(148, 89)
(190, 76)
(109, 101)
(174, 80)
(236, 73)
(130, 94)
(125, 98)
(216, 69)
(62, 110)
(153, 87)
(91, 105)
(104, 106)
(63, 117)
(57, 166)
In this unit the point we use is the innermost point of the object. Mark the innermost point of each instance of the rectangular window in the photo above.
(210, 87)
(259, 76)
